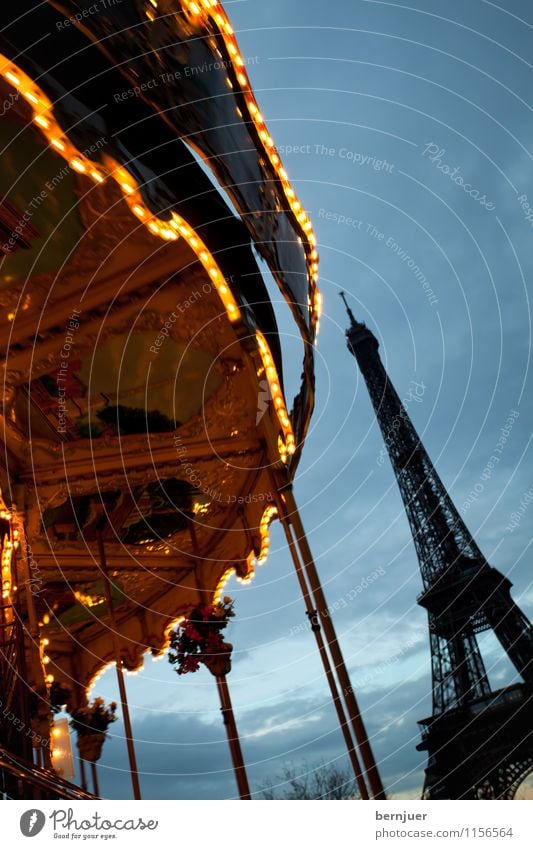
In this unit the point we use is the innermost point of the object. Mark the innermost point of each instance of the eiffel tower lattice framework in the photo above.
(479, 740)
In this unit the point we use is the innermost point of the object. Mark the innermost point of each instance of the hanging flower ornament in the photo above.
(198, 639)
(91, 724)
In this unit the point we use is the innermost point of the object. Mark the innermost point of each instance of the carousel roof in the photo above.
(143, 370)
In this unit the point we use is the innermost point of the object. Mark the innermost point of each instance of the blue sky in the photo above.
(380, 108)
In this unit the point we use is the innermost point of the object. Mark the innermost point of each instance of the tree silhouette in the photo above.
(318, 781)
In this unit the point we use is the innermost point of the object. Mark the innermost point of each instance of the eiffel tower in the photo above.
(479, 740)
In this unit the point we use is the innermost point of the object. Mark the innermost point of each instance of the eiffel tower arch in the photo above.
(479, 740)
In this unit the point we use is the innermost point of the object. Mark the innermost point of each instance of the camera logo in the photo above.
(32, 822)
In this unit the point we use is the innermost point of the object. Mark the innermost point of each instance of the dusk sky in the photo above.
(407, 134)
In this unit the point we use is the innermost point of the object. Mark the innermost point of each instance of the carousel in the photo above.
(148, 442)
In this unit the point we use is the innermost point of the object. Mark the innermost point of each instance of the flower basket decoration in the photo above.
(91, 724)
(198, 639)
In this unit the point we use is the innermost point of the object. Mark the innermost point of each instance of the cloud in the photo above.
(184, 757)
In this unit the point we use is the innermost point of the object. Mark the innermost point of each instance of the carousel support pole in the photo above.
(354, 713)
(120, 674)
(83, 774)
(194, 538)
(24, 688)
(226, 707)
(233, 737)
(316, 629)
(270, 439)
(36, 672)
(94, 773)
(196, 555)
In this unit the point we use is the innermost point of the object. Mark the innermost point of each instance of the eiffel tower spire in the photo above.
(479, 741)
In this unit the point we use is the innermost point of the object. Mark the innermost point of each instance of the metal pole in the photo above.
(83, 775)
(316, 590)
(94, 773)
(233, 737)
(226, 706)
(315, 627)
(21, 671)
(361, 736)
(37, 669)
(120, 674)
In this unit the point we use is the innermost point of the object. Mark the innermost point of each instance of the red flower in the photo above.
(191, 633)
(200, 632)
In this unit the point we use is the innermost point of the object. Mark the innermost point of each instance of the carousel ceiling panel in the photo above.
(78, 653)
(75, 604)
(149, 508)
(114, 384)
(114, 142)
(97, 135)
(42, 194)
(143, 431)
(137, 516)
(158, 564)
(121, 388)
(194, 75)
(109, 262)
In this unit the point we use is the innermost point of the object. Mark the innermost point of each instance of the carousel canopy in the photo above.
(143, 372)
